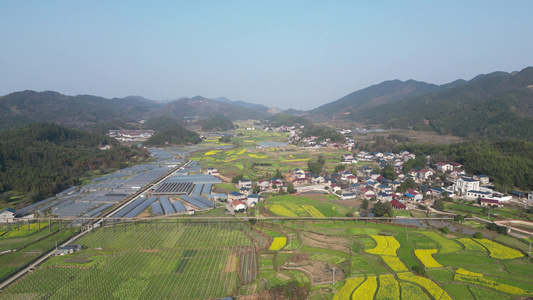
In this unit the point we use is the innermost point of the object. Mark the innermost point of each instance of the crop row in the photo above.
(424, 256)
(281, 210)
(367, 289)
(386, 245)
(499, 251)
(395, 263)
(311, 210)
(446, 245)
(186, 262)
(433, 289)
(348, 288)
(491, 284)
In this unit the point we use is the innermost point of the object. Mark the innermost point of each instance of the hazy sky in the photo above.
(289, 54)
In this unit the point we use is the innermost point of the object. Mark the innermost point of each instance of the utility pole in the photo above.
(333, 281)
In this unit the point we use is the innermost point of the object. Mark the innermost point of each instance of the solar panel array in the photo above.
(169, 188)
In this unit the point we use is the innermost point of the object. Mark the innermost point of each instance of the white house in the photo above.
(238, 205)
(245, 183)
(464, 184)
(252, 200)
(425, 174)
(444, 167)
(8, 213)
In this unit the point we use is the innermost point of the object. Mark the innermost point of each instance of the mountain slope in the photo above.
(200, 107)
(383, 93)
(19, 108)
(496, 105)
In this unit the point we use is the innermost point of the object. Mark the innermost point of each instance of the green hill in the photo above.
(498, 105)
(42, 159)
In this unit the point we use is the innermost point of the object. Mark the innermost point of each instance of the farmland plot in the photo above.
(196, 262)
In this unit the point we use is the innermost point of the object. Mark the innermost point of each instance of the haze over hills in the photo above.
(498, 104)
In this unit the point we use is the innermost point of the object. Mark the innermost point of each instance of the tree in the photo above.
(364, 205)
(339, 168)
(389, 173)
(502, 230)
(445, 230)
(458, 218)
(439, 205)
(314, 167)
(321, 160)
(256, 189)
(278, 173)
(478, 235)
(290, 188)
(237, 178)
(381, 209)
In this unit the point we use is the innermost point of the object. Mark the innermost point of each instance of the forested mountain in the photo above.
(508, 163)
(200, 107)
(42, 159)
(383, 93)
(218, 123)
(497, 105)
(254, 106)
(173, 135)
(20, 108)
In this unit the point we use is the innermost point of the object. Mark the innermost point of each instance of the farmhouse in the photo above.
(239, 206)
(398, 205)
(444, 167)
(490, 203)
(236, 196)
(465, 184)
(8, 213)
(245, 183)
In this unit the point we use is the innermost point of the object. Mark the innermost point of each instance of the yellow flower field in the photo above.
(278, 243)
(433, 289)
(395, 263)
(23, 230)
(468, 273)
(388, 288)
(367, 289)
(311, 210)
(347, 289)
(499, 251)
(293, 160)
(505, 288)
(424, 256)
(446, 245)
(471, 244)
(387, 245)
(281, 211)
(241, 152)
(257, 156)
(212, 152)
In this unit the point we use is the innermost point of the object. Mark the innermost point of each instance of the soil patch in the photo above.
(231, 263)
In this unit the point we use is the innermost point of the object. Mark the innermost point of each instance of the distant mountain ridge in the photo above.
(20, 108)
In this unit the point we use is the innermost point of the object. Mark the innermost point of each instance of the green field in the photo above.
(295, 205)
(195, 258)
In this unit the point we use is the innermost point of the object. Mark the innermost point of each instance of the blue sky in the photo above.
(288, 54)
